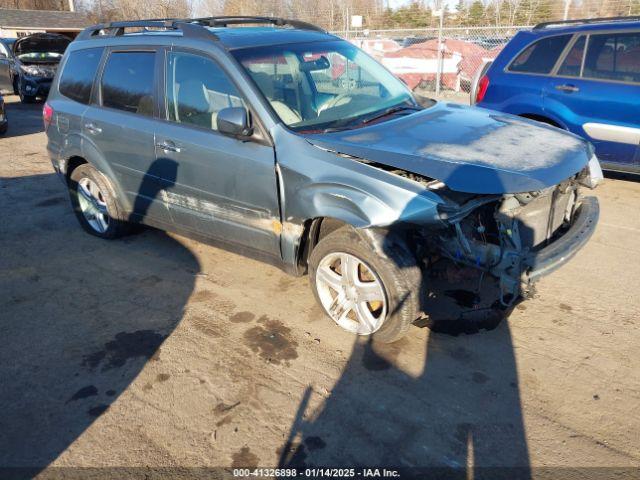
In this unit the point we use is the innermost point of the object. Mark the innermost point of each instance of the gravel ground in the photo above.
(159, 351)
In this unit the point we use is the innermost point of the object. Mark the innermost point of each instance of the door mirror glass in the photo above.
(234, 121)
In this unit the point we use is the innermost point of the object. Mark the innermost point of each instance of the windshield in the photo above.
(324, 85)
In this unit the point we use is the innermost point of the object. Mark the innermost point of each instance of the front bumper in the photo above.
(552, 257)
(35, 87)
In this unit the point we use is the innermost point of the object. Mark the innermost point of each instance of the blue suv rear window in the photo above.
(541, 56)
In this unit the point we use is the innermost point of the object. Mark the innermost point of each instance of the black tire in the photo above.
(117, 226)
(27, 98)
(3, 128)
(392, 261)
(15, 86)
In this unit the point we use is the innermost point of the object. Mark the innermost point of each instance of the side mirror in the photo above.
(234, 121)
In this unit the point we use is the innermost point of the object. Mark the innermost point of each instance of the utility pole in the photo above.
(440, 13)
(567, 4)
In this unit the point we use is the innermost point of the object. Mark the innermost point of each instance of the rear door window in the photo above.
(128, 82)
(613, 56)
(79, 71)
(541, 56)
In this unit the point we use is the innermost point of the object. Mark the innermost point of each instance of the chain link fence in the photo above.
(441, 62)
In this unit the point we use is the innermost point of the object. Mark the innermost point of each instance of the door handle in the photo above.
(168, 146)
(92, 128)
(567, 88)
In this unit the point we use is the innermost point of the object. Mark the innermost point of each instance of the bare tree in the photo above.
(35, 4)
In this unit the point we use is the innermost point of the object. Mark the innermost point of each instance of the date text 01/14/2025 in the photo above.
(316, 472)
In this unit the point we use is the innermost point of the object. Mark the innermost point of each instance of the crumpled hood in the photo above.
(470, 149)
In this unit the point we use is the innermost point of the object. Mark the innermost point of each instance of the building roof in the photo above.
(42, 19)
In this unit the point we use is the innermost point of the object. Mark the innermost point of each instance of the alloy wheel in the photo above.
(351, 293)
(93, 205)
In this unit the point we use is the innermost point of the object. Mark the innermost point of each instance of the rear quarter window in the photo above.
(541, 56)
(78, 74)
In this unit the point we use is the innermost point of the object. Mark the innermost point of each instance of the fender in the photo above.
(339, 202)
(515, 105)
(522, 107)
(348, 205)
(72, 146)
(317, 183)
(535, 108)
(61, 152)
(563, 115)
(92, 155)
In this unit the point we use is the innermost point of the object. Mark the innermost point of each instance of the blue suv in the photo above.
(292, 145)
(580, 75)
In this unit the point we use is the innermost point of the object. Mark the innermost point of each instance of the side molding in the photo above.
(613, 133)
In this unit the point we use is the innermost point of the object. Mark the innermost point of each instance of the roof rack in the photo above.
(586, 21)
(191, 27)
(224, 21)
(116, 29)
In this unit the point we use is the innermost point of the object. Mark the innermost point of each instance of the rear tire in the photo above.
(95, 205)
(384, 258)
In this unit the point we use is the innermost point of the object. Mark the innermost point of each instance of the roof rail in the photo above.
(224, 21)
(587, 21)
(116, 29)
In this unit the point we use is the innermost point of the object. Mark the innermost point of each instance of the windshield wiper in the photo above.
(390, 111)
(349, 123)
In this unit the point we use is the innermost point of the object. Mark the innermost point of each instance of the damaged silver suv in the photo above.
(294, 146)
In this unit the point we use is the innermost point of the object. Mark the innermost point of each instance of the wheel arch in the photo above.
(92, 156)
(543, 119)
(74, 162)
(314, 230)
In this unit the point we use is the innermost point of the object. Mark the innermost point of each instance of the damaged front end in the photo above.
(518, 238)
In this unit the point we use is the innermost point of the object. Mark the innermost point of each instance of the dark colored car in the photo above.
(4, 122)
(294, 146)
(36, 60)
(7, 66)
(582, 76)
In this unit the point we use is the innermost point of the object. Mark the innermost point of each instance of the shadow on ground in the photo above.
(80, 319)
(456, 416)
(24, 118)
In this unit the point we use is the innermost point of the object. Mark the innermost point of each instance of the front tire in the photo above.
(27, 98)
(94, 203)
(369, 283)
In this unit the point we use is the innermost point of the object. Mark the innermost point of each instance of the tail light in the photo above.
(483, 85)
(47, 115)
